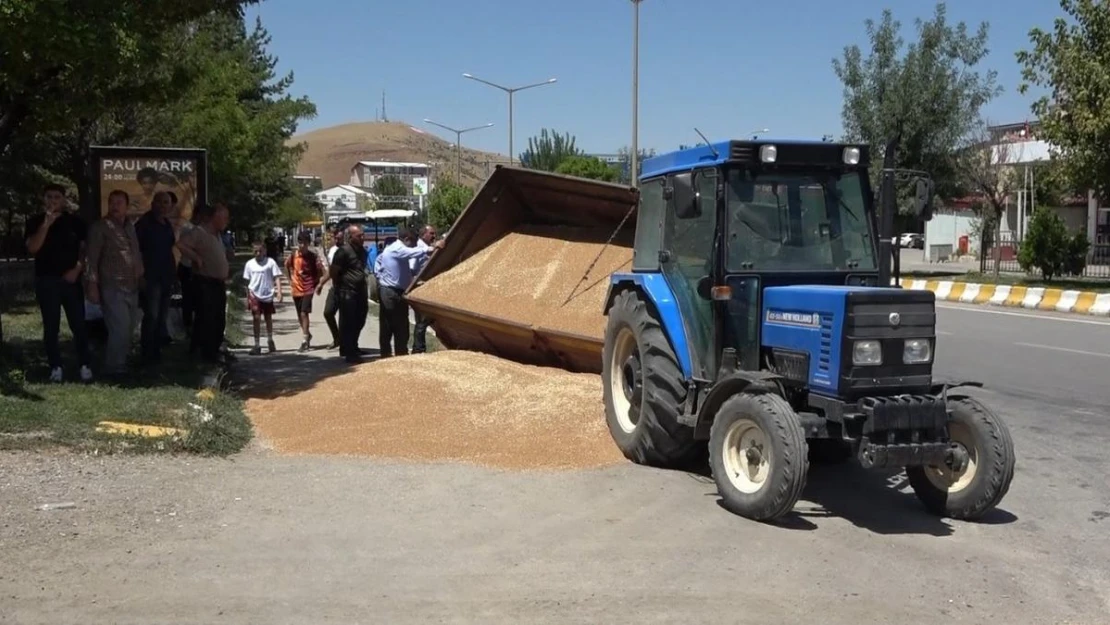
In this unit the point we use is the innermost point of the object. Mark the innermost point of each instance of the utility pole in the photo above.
(458, 144)
(510, 91)
(384, 117)
(634, 165)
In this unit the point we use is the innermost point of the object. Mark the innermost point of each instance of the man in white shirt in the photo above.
(331, 304)
(394, 273)
(420, 331)
(263, 276)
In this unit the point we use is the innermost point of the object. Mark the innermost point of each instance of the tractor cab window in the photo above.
(784, 221)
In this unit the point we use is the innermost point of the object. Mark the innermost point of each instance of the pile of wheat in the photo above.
(446, 406)
(537, 276)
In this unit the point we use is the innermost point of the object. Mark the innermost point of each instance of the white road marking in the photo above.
(1064, 349)
(1009, 313)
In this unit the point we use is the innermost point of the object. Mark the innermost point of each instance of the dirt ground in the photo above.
(268, 538)
(263, 538)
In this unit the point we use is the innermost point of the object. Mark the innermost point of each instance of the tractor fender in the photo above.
(727, 386)
(654, 289)
(941, 388)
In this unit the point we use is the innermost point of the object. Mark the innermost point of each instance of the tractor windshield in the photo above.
(785, 221)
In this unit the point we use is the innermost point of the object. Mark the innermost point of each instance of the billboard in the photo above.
(420, 185)
(142, 172)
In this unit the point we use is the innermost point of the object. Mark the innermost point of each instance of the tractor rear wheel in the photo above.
(643, 387)
(972, 492)
(759, 455)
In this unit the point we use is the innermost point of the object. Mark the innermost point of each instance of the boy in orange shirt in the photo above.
(307, 277)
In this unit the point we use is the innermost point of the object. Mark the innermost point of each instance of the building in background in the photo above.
(343, 201)
(309, 184)
(365, 173)
(1017, 146)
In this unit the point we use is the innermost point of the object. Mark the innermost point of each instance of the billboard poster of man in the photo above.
(144, 171)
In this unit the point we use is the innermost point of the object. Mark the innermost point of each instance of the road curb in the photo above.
(1036, 298)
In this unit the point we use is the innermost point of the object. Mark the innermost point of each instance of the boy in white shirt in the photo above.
(263, 276)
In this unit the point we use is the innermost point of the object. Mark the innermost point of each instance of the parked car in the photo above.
(912, 239)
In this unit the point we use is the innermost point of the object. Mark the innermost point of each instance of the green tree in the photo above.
(588, 167)
(240, 111)
(390, 192)
(218, 91)
(57, 56)
(1052, 185)
(547, 150)
(985, 172)
(292, 211)
(626, 163)
(1046, 244)
(446, 202)
(1073, 62)
(929, 92)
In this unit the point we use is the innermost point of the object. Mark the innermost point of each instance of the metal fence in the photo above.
(1098, 258)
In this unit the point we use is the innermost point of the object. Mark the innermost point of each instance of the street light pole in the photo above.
(634, 165)
(458, 144)
(510, 91)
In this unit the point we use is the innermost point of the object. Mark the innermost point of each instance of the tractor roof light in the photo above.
(768, 153)
(851, 156)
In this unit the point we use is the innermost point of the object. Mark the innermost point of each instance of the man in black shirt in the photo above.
(56, 238)
(348, 275)
(156, 242)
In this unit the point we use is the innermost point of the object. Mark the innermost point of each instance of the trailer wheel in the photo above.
(972, 492)
(759, 455)
(643, 387)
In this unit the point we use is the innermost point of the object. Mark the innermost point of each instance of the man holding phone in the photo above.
(56, 238)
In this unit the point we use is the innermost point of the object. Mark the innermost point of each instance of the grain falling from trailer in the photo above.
(446, 406)
(534, 276)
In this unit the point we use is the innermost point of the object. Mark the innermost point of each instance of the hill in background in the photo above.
(332, 152)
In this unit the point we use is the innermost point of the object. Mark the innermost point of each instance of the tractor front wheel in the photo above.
(643, 387)
(759, 456)
(976, 488)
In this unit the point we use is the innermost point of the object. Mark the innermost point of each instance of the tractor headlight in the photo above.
(851, 156)
(917, 352)
(867, 353)
(768, 153)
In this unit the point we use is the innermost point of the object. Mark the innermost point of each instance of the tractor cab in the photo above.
(760, 315)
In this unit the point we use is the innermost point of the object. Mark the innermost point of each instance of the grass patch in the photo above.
(36, 413)
(1088, 284)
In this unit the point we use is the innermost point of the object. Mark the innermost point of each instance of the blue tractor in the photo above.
(760, 315)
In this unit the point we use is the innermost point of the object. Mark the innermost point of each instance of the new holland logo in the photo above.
(809, 320)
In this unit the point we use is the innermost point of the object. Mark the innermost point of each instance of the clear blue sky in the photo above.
(725, 66)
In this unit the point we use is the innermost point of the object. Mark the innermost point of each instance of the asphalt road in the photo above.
(1060, 359)
(268, 539)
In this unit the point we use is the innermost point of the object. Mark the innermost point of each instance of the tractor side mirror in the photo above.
(923, 199)
(684, 199)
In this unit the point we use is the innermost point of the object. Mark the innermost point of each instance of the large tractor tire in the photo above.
(972, 492)
(759, 455)
(643, 387)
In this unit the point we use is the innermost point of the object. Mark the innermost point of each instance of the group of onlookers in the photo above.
(393, 269)
(129, 269)
(348, 267)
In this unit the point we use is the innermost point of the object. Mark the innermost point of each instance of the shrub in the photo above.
(1046, 244)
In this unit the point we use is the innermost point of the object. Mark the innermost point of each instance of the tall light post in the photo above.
(635, 163)
(458, 144)
(510, 91)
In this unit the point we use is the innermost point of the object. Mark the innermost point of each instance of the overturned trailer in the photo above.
(526, 266)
